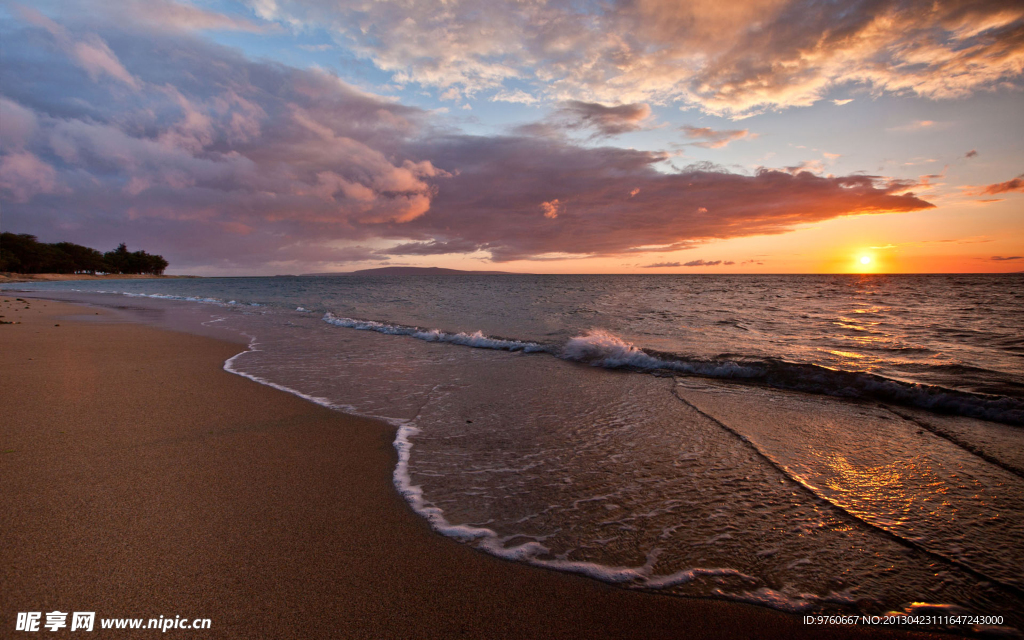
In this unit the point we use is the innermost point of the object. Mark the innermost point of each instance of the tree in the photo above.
(23, 253)
(84, 259)
(120, 260)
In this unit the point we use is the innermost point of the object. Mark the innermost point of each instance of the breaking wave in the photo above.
(604, 349)
(477, 339)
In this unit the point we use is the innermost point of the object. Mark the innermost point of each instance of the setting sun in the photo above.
(865, 260)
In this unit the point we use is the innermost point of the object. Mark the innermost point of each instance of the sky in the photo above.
(266, 137)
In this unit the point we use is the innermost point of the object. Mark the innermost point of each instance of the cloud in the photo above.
(23, 175)
(711, 139)
(516, 96)
(431, 248)
(840, 103)
(601, 120)
(496, 184)
(971, 154)
(725, 58)
(89, 51)
(811, 166)
(1017, 184)
(168, 14)
(1004, 258)
(605, 120)
(552, 209)
(692, 263)
(219, 163)
(918, 125)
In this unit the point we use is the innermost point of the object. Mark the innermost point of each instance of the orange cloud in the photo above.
(1017, 184)
(711, 139)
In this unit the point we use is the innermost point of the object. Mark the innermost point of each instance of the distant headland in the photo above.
(412, 271)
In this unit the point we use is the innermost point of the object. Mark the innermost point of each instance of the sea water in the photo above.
(843, 444)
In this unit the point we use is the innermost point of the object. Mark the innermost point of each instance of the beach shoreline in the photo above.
(15, 278)
(144, 480)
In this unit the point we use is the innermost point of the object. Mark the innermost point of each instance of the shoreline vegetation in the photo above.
(23, 253)
(270, 515)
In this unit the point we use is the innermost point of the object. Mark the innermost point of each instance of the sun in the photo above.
(865, 260)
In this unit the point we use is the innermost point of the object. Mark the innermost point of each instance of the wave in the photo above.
(477, 339)
(534, 552)
(200, 299)
(604, 349)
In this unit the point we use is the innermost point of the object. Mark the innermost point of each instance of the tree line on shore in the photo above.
(23, 253)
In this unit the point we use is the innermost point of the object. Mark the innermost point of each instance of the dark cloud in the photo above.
(1017, 184)
(614, 200)
(702, 263)
(971, 154)
(1003, 258)
(662, 265)
(190, 150)
(710, 139)
(605, 120)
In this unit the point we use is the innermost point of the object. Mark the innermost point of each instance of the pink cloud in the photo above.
(1016, 184)
(23, 176)
(711, 139)
(90, 51)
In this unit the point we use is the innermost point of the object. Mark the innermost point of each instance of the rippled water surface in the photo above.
(809, 443)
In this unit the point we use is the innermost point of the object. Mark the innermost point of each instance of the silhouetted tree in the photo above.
(23, 253)
(120, 260)
(84, 259)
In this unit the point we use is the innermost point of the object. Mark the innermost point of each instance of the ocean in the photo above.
(816, 444)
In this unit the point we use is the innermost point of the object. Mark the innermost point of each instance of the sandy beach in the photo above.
(141, 479)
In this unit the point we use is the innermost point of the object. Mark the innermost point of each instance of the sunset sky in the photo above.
(294, 136)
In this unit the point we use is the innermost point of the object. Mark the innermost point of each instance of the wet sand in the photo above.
(140, 479)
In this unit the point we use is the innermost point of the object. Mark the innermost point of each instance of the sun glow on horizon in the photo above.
(864, 263)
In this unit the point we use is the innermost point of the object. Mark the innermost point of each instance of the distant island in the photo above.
(412, 271)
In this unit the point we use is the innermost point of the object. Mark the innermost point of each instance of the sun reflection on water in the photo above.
(876, 493)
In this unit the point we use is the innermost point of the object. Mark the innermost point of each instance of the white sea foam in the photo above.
(604, 349)
(229, 366)
(689, 575)
(164, 296)
(477, 339)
